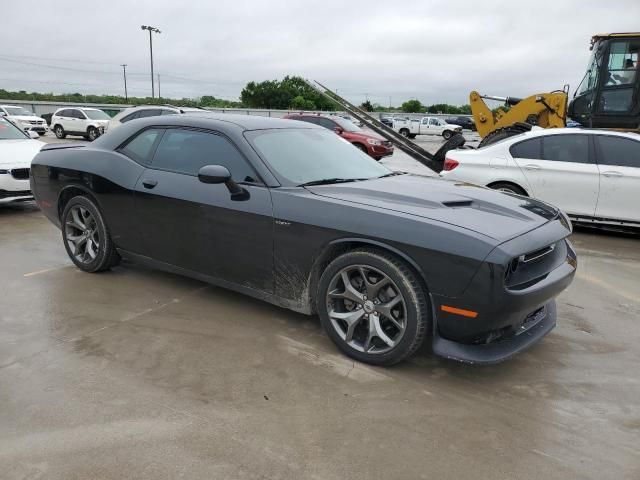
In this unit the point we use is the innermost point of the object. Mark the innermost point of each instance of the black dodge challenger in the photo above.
(290, 213)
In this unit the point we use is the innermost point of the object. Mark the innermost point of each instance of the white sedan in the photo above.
(593, 175)
(17, 149)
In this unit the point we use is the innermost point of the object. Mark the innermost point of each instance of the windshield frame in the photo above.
(10, 125)
(251, 135)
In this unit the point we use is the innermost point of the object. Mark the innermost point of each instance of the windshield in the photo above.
(347, 125)
(8, 131)
(590, 78)
(18, 111)
(306, 155)
(96, 114)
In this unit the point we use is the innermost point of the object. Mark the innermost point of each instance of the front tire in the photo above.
(447, 134)
(59, 131)
(92, 134)
(86, 236)
(373, 307)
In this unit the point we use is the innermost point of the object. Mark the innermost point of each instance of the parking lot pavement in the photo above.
(135, 373)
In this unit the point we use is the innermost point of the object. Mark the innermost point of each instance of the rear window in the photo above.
(527, 149)
(140, 148)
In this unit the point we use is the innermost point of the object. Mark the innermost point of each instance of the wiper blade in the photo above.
(392, 174)
(328, 181)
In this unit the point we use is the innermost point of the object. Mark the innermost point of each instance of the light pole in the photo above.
(151, 30)
(124, 72)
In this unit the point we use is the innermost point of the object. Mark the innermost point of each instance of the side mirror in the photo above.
(339, 130)
(33, 134)
(215, 174)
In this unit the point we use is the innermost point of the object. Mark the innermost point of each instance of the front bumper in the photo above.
(498, 351)
(39, 127)
(506, 311)
(380, 151)
(14, 185)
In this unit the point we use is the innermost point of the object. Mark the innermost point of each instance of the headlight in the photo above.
(373, 141)
(25, 122)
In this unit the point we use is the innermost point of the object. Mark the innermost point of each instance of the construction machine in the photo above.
(608, 96)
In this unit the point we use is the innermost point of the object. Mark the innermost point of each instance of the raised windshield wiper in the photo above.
(327, 181)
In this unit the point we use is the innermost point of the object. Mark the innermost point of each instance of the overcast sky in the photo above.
(433, 51)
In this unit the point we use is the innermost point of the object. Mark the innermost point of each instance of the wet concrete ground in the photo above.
(135, 373)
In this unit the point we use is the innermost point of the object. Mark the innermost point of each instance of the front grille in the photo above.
(20, 173)
(17, 193)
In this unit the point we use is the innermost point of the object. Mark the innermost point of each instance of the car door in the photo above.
(619, 167)
(83, 121)
(434, 127)
(560, 169)
(198, 226)
(64, 119)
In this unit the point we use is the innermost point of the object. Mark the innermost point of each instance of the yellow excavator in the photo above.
(607, 97)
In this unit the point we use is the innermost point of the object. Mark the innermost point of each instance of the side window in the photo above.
(131, 116)
(623, 62)
(150, 112)
(618, 151)
(326, 123)
(187, 151)
(167, 112)
(140, 147)
(79, 114)
(63, 113)
(566, 148)
(528, 149)
(434, 122)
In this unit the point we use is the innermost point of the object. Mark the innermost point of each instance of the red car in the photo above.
(370, 143)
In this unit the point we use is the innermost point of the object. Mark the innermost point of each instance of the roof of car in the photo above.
(566, 131)
(247, 122)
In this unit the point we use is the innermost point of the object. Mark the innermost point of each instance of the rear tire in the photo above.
(404, 132)
(412, 135)
(86, 237)
(508, 188)
(59, 131)
(380, 320)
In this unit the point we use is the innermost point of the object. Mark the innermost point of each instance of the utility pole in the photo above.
(159, 94)
(124, 72)
(151, 30)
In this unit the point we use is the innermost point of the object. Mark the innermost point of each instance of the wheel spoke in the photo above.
(351, 319)
(77, 221)
(372, 288)
(375, 330)
(90, 250)
(385, 309)
(350, 292)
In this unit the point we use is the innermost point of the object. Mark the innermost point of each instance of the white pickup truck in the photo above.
(425, 126)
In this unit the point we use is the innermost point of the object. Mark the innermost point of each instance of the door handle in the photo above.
(612, 174)
(149, 183)
(531, 166)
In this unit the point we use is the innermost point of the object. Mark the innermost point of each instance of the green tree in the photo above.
(283, 94)
(366, 106)
(412, 106)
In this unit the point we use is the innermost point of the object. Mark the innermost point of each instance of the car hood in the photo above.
(19, 152)
(26, 118)
(493, 214)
